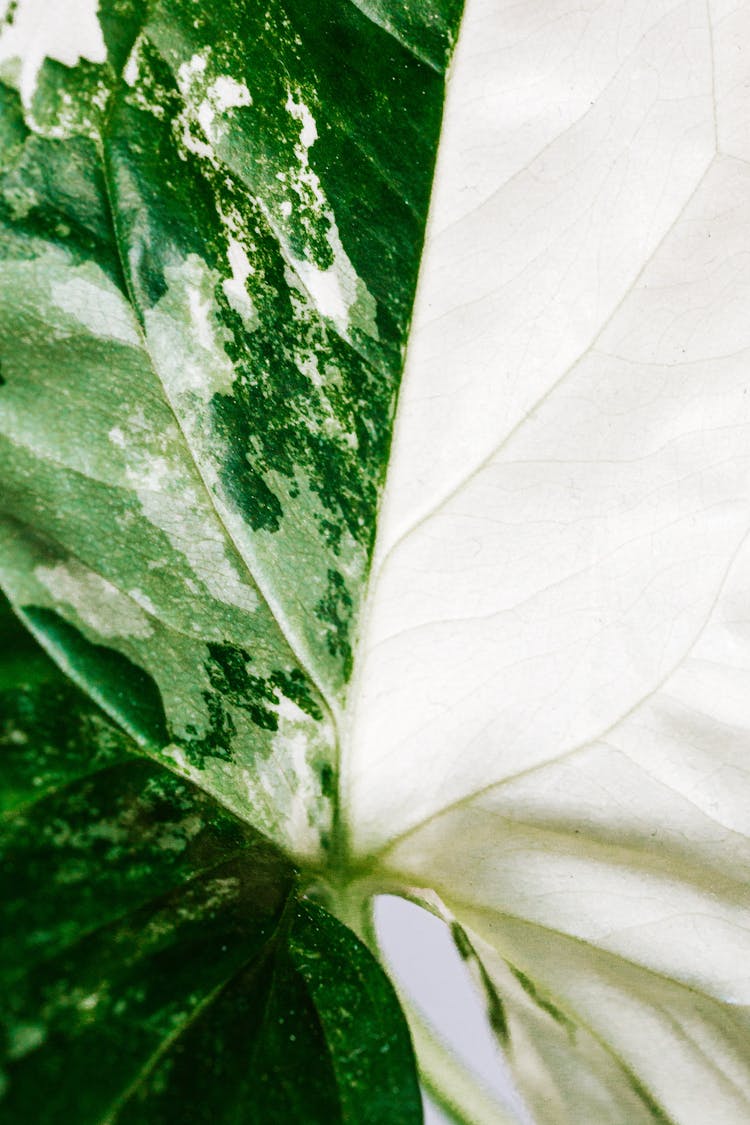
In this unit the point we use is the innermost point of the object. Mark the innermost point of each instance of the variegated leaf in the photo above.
(208, 265)
(534, 707)
(155, 958)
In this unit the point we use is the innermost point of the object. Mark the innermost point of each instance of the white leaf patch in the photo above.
(99, 604)
(207, 101)
(337, 291)
(66, 30)
(235, 289)
(183, 323)
(95, 307)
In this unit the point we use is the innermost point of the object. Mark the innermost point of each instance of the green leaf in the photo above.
(159, 959)
(208, 265)
(50, 734)
(179, 430)
(104, 507)
(365, 1031)
(271, 240)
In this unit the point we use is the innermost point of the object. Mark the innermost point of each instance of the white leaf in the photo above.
(551, 727)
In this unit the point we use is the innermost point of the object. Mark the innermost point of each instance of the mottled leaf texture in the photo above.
(208, 264)
(155, 958)
(487, 644)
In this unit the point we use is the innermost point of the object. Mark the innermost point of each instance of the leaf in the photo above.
(45, 722)
(366, 1034)
(181, 430)
(194, 442)
(552, 728)
(522, 687)
(162, 939)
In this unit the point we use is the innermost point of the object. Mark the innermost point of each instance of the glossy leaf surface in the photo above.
(157, 959)
(208, 264)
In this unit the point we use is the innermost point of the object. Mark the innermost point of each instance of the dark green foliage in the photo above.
(156, 961)
(127, 688)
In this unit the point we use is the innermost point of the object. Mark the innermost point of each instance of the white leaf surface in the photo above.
(553, 716)
(66, 31)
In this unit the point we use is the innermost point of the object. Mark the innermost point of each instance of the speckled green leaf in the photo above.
(110, 542)
(370, 1056)
(208, 258)
(271, 239)
(50, 733)
(155, 960)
